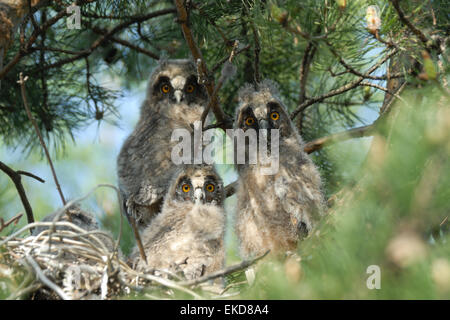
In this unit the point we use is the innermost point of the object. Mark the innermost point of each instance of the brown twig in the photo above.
(38, 132)
(231, 189)
(17, 180)
(257, 50)
(221, 62)
(109, 36)
(221, 117)
(43, 27)
(350, 69)
(428, 43)
(223, 78)
(137, 236)
(231, 269)
(304, 72)
(14, 220)
(346, 87)
(29, 174)
(124, 42)
(319, 143)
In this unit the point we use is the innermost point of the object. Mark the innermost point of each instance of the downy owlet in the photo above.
(174, 100)
(274, 211)
(188, 235)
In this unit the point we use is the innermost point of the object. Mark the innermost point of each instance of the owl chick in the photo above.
(188, 235)
(174, 100)
(274, 211)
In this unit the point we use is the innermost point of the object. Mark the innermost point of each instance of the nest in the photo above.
(64, 261)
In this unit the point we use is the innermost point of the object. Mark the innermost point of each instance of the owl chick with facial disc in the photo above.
(274, 211)
(174, 100)
(188, 235)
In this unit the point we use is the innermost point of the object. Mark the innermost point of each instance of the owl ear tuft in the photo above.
(163, 59)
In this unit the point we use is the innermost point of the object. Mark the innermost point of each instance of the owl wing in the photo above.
(301, 197)
(141, 187)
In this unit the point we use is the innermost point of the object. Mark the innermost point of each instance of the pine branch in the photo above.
(221, 117)
(319, 143)
(109, 36)
(25, 50)
(428, 43)
(346, 87)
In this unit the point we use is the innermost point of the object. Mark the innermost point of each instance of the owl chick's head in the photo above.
(175, 81)
(197, 184)
(262, 109)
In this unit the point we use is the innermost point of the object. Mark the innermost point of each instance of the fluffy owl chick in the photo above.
(274, 211)
(174, 100)
(188, 234)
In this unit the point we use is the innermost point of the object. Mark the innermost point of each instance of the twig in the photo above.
(221, 62)
(213, 275)
(337, 137)
(124, 42)
(224, 76)
(231, 189)
(373, 85)
(29, 174)
(428, 43)
(350, 69)
(304, 72)
(14, 220)
(41, 140)
(137, 236)
(43, 27)
(346, 87)
(257, 50)
(221, 117)
(107, 36)
(17, 180)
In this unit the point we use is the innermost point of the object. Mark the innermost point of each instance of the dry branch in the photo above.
(38, 132)
(220, 273)
(17, 180)
(221, 117)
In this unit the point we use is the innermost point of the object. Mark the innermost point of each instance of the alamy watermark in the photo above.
(74, 20)
(374, 280)
(260, 148)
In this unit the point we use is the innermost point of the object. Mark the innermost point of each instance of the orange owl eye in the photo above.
(186, 188)
(249, 121)
(190, 88)
(210, 187)
(165, 88)
(274, 115)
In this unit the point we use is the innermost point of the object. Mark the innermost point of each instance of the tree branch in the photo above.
(342, 89)
(41, 140)
(221, 117)
(319, 143)
(17, 180)
(428, 43)
(213, 275)
(108, 35)
(43, 28)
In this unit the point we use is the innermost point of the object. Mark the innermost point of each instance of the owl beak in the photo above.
(178, 95)
(199, 196)
(263, 124)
